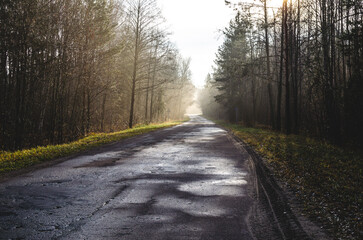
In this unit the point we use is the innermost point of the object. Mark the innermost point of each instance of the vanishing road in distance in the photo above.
(192, 181)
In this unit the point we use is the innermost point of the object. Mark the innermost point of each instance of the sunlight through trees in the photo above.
(71, 67)
(295, 68)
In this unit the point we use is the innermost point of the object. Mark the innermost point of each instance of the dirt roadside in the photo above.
(278, 201)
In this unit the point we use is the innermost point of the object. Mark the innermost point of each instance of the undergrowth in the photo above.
(10, 161)
(327, 179)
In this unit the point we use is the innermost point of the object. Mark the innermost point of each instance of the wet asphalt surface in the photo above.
(184, 182)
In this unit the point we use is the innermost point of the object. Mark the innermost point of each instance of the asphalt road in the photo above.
(187, 182)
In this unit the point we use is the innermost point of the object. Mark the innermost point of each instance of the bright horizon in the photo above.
(195, 31)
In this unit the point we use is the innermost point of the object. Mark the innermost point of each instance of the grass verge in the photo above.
(11, 161)
(325, 178)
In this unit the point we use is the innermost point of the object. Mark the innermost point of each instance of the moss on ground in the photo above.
(11, 161)
(327, 179)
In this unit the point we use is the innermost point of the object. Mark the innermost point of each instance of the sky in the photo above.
(195, 26)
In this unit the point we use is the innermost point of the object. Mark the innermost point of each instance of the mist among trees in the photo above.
(297, 68)
(71, 67)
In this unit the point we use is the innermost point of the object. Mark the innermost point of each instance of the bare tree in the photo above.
(143, 17)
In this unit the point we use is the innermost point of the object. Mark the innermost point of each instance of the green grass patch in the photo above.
(11, 161)
(326, 178)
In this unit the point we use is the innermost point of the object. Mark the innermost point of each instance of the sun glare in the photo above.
(270, 3)
(274, 3)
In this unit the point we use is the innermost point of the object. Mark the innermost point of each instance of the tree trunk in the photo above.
(269, 79)
(287, 72)
(135, 66)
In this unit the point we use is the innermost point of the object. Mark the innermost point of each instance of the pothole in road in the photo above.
(101, 163)
(203, 208)
(223, 187)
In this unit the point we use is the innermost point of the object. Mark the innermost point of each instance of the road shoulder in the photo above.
(276, 201)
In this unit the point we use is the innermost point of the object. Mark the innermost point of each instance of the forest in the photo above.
(86, 84)
(72, 67)
(295, 68)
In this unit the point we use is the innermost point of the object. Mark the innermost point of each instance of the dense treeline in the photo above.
(297, 68)
(70, 67)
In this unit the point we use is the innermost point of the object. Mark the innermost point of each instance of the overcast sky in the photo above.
(195, 25)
